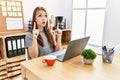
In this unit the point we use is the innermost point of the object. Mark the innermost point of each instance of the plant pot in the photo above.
(88, 61)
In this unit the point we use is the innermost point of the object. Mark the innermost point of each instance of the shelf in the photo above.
(3, 69)
(10, 67)
(66, 36)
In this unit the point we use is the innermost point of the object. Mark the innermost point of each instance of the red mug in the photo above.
(49, 60)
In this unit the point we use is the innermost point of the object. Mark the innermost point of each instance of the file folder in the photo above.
(14, 45)
(19, 45)
(23, 44)
(9, 48)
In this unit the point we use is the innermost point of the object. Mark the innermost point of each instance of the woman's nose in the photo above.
(44, 17)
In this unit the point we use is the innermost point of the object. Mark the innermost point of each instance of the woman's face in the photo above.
(41, 19)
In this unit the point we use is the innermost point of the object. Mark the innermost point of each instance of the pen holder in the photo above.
(107, 56)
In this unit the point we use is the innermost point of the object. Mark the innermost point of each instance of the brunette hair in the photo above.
(47, 33)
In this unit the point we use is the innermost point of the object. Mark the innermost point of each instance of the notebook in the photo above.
(75, 48)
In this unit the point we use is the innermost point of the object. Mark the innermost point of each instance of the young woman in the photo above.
(42, 40)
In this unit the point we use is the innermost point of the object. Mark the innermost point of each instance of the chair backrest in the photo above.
(26, 53)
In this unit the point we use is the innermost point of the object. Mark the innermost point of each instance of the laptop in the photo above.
(75, 48)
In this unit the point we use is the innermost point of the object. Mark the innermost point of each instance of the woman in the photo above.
(42, 39)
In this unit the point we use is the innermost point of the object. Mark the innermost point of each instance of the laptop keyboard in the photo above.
(59, 53)
(60, 56)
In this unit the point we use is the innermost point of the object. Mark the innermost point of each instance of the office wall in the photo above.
(68, 12)
(54, 7)
(112, 23)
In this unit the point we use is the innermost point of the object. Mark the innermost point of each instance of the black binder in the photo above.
(23, 44)
(19, 45)
(9, 48)
(14, 46)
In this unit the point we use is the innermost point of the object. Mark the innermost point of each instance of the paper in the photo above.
(9, 8)
(19, 14)
(14, 8)
(3, 8)
(14, 14)
(14, 23)
(9, 3)
(4, 13)
(10, 14)
(2, 3)
(13, 3)
(9, 45)
(18, 3)
(18, 8)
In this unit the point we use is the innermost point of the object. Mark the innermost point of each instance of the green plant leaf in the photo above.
(89, 54)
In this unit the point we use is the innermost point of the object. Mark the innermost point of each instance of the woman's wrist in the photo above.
(58, 40)
(34, 40)
(34, 37)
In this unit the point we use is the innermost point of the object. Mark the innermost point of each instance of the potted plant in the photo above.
(88, 56)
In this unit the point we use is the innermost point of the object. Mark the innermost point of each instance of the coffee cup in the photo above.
(49, 60)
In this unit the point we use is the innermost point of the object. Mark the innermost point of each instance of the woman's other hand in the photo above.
(35, 31)
(58, 33)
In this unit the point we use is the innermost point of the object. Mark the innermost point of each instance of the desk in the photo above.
(72, 69)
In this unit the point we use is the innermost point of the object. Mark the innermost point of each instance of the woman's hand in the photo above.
(58, 34)
(35, 31)
(33, 49)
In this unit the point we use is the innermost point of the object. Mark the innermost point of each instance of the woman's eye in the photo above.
(40, 16)
(45, 15)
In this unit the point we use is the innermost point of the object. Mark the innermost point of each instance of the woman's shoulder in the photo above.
(29, 35)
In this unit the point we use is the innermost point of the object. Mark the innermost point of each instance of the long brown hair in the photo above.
(47, 33)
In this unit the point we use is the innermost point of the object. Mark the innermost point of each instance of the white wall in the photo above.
(112, 23)
(68, 12)
(54, 7)
(64, 7)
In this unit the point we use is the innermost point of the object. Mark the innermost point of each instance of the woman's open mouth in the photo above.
(43, 23)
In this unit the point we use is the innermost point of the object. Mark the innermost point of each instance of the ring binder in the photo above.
(9, 47)
(19, 45)
(14, 46)
(23, 44)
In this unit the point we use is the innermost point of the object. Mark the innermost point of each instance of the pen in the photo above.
(111, 50)
(105, 49)
(102, 48)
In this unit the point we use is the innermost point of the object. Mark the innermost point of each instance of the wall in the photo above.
(68, 12)
(112, 23)
(54, 7)
(64, 7)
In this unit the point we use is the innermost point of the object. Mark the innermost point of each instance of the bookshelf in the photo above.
(3, 69)
(9, 67)
(11, 25)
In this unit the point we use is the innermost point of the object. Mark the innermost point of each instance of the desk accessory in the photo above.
(49, 60)
(107, 54)
(88, 56)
